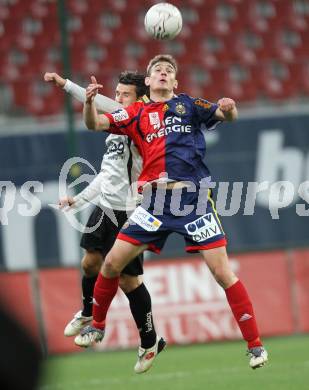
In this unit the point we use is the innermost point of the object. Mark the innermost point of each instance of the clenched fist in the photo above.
(226, 104)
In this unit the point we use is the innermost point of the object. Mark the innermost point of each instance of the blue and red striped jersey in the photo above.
(168, 135)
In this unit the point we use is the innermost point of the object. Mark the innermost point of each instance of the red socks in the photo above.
(242, 309)
(104, 291)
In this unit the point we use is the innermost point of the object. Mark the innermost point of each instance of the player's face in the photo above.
(125, 94)
(162, 77)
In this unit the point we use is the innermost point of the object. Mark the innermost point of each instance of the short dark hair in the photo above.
(129, 77)
(162, 58)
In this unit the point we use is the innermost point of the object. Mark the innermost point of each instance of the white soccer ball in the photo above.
(163, 21)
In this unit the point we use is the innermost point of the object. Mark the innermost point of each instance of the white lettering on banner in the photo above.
(180, 326)
(121, 334)
(198, 284)
(145, 220)
(120, 115)
(203, 228)
(188, 306)
(185, 282)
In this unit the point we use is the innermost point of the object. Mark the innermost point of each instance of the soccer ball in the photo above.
(163, 21)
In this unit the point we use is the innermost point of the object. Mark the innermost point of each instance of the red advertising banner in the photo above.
(60, 298)
(268, 281)
(18, 299)
(301, 289)
(188, 305)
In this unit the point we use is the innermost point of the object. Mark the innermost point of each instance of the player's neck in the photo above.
(161, 95)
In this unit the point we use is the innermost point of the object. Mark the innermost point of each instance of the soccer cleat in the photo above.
(258, 357)
(147, 356)
(76, 324)
(89, 336)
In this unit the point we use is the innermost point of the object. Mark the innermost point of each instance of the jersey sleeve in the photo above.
(122, 120)
(102, 103)
(91, 193)
(205, 111)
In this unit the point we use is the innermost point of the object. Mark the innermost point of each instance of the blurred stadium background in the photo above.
(255, 51)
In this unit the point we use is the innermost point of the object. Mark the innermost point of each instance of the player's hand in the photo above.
(92, 90)
(66, 202)
(226, 104)
(52, 77)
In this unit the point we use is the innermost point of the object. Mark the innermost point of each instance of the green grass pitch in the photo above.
(212, 366)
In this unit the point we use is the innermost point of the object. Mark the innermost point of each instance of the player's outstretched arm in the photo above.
(52, 77)
(89, 194)
(102, 103)
(227, 110)
(92, 120)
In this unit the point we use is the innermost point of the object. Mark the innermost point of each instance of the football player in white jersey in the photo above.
(120, 167)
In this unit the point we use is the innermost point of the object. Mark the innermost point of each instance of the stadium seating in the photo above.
(253, 50)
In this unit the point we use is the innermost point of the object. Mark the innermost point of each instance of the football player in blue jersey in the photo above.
(167, 130)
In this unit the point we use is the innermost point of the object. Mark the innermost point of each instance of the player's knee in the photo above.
(91, 263)
(111, 267)
(224, 275)
(129, 283)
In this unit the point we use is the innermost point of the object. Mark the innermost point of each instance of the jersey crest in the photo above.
(180, 108)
